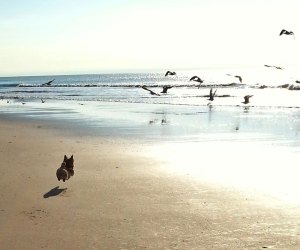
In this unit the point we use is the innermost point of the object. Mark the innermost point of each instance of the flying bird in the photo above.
(170, 73)
(151, 92)
(165, 89)
(285, 32)
(270, 66)
(48, 83)
(43, 101)
(212, 94)
(240, 78)
(247, 97)
(196, 79)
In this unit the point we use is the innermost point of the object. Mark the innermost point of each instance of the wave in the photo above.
(7, 85)
(162, 101)
(283, 86)
(185, 85)
(31, 91)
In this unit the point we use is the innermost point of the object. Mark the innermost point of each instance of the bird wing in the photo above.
(167, 73)
(282, 32)
(240, 78)
(143, 87)
(151, 92)
(215, 93)
(50, 81)
(193, 78)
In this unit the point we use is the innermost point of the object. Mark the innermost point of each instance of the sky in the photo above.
(78, 36)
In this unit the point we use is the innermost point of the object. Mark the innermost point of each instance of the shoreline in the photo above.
(162, 121)
(124, 195)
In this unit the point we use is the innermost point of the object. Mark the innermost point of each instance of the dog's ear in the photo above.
(71, 157)
(65, 158)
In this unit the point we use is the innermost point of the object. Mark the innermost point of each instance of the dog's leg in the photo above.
(71, 171)
(63, 180)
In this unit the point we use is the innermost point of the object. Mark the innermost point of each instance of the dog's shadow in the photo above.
(54, 192)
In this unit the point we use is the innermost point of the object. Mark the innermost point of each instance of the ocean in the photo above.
(263, 83)
(118, 104)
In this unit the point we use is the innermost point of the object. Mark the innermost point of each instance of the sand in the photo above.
(122, 197)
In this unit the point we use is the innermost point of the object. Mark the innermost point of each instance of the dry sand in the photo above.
(121, 197)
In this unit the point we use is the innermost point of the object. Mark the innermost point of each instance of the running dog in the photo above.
(66, 169)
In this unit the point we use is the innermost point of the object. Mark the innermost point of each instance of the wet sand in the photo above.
(124, 196)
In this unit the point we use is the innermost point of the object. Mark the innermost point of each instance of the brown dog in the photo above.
(66, 169)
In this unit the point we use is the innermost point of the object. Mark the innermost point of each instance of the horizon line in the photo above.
(128, 71)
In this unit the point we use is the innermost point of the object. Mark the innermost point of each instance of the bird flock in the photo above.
(195, 78)
(212, 93)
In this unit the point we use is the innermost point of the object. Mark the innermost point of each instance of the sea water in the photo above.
(263, 83)
(118, 104)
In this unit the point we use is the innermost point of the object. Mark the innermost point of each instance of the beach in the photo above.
(144, 125)
(144, 193)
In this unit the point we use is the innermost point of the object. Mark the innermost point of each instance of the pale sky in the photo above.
(81, 36)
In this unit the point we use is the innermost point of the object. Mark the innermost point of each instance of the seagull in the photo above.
(285, 32)
(48, 83)
(170, 73)
(151, 92)
(270, 66)
(212, 94)
(43, 101)
(240, 78)
(196, 79)
(165, 89)
(247, 97)
(163, 122)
